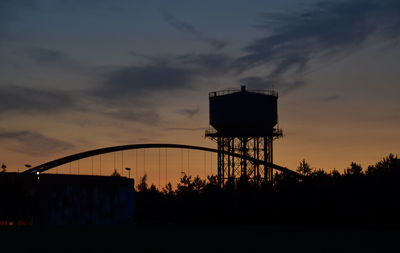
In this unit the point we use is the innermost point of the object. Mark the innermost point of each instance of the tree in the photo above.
(198, 184)
(387, 165)
(167, 190)
(318, 173)
(304, 168)
(185, 185)
(335, 173)
(142, 186)
(3, 167)
(355, 169)
(212, 181)
(153, 189)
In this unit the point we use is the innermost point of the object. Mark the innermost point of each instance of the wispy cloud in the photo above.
(148, 116)
(327, 29)
(189, 112)
(283, 85)
(32, 143)
(190, 29)
(331, 98)
(161, 74)
(27, 100)
(54, 58)
(185, 128)
(206, 64)
(49, 57)
(136, 81)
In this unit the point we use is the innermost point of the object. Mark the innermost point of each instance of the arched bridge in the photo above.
(67, 159)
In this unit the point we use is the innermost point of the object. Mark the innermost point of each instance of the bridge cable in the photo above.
(115, 162)
(205, 166)
(122, 163)
(144, 162)
(159, 167)
(211, 164)
(181, 160)
(136, 169)
(188, 164)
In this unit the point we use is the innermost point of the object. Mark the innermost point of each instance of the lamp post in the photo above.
(129, 172)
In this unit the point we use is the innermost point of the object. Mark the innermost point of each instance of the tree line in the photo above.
(357, 196)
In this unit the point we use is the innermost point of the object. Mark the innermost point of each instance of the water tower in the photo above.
(244, 122)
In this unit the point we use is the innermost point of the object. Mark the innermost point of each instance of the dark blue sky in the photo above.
(77, 75)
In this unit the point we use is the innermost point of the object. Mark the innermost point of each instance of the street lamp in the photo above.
(129, 172)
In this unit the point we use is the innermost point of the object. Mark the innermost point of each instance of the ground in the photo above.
(198, 238)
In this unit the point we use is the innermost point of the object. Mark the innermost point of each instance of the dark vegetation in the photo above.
(355, 197)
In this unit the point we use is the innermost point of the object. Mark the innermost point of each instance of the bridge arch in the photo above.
(70, 158)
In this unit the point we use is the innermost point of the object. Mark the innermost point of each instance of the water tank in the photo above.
(243, 113)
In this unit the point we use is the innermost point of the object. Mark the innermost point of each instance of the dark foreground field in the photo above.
(197, 238)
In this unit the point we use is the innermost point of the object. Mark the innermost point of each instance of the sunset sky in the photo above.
(79, 75)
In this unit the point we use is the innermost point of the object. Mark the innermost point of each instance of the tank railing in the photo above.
(276, 132)
(230, 91)
(210, 131)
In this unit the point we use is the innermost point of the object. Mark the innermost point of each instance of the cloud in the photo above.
(185, 128)
(32, 143)
(211, 63)
(331, 98)
(149, 117)
(47, 56)
(189, 112)
(190, 29)
(52, 58)
(206, 64)
(136, 81)
(327, 29)
(29, 100)
(161, 74)
(256, 82)
(25, 101)
(260, 83)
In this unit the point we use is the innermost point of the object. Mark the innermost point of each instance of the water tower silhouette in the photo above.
(244, 122)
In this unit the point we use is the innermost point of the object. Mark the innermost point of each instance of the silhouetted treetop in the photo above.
(304, 168)
(3, 167)
(354, 170)
(142, 186)
(388, 165)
